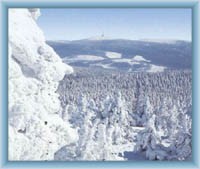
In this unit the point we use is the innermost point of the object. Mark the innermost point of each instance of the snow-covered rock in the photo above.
(36, 131)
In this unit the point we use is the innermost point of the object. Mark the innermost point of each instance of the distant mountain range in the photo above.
(121, 54)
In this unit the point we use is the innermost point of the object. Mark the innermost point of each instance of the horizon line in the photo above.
(110, 38)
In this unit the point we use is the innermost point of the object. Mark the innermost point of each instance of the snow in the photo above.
(139, 58)
(166, 41)
(85, 58)
(164, 137)
(133, 61)
(124, 60)
(113, 55)
(99, 128)
(155, 68)
(99, 38)
(102, 135)
(36, 130)
(105, 66)
(110, 129)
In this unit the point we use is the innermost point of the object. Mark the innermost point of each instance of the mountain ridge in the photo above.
(175, 54)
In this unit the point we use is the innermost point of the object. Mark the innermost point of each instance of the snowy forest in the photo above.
(64, 113)
(146, 114)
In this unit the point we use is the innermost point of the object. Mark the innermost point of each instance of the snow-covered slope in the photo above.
(169, 54)
(155, 68)
(115, 61)
(84, 58)
(99, 38)
(113, 55)
(139, 58)
(166, 41)
(36, 130)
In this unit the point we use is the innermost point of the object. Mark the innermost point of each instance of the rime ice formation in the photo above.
(120, 116)
(97, 115)
(36, 131)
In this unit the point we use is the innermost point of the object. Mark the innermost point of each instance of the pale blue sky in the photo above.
(131, 23)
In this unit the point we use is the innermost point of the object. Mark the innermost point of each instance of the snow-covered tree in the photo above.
(164, 136)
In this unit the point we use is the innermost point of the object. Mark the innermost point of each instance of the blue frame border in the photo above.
(193, 4)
